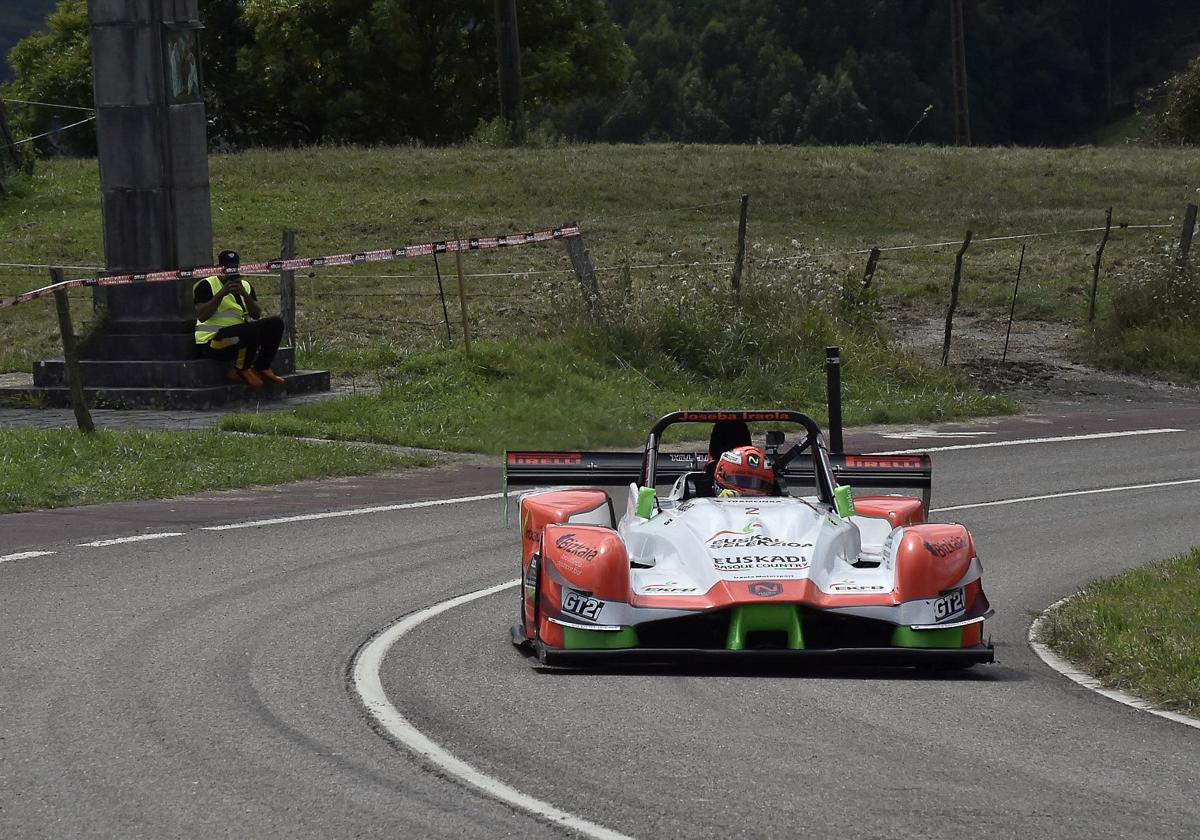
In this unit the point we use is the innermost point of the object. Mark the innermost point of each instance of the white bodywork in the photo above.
(689, 546)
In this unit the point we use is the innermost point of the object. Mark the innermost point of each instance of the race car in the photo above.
(808, 572)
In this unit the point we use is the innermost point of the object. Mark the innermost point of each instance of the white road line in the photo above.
(23, 555)
(1025, 441)
(1069, 493)
(370, 691)
(137, 538)
(332, 514)
(1088, 681)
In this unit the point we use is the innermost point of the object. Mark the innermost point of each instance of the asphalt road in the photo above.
(197, 686)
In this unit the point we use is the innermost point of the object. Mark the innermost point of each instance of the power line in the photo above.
(51, 131)
(48, 104)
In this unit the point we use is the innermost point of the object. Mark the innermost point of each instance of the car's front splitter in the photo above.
(947, 658)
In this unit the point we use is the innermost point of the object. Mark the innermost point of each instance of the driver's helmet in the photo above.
(743, 471)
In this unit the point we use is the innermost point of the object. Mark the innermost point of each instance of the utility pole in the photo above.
(1108, 76)
(958, 60)
(508, 60)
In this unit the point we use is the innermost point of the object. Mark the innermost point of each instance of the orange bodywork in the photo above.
(543, 511)
(899, 511)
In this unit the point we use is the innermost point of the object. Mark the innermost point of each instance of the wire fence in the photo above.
(348, 297)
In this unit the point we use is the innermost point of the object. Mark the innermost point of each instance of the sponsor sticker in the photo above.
(567, 544)
(715, 416)
(760, 562)
(545, 459)
(885, 462)
(851, 586)
(752, 541)
(766, 589)
(668, 589)
(944, 548)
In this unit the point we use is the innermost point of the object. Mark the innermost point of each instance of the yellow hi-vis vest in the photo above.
(229, 312)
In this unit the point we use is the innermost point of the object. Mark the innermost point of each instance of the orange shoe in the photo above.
(234, 375)
(252, 379)
(269, 375)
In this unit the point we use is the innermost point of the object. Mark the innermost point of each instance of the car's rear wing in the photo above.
(613, 469)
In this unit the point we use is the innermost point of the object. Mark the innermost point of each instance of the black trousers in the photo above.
(255, 343)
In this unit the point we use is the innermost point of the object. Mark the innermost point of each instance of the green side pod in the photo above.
(745, 619)
(577, 639)
(947, 637)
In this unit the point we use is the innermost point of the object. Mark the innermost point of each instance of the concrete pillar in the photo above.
(150, 124)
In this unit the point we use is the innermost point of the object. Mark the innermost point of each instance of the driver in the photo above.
(743, 471)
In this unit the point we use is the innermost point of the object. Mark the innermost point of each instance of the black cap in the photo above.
(228, 259)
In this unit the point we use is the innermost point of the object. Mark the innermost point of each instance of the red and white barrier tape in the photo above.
(481, 243)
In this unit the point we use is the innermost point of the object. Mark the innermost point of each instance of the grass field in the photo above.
(807, 207)
(61, 467)
(1137, 632)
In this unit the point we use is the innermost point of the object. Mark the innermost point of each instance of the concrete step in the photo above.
(141, 346)
(190, 373)
(212, 396)
(136, 326)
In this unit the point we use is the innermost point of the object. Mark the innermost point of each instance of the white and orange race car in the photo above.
(811, 574)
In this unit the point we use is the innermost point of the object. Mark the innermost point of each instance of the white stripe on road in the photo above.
(332, 514)
(138, 538)
(1024, 441)
(1069, 493)
(1088, 681)
(24, 555)
(370, 690)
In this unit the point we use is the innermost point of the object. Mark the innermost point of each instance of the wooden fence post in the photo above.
(1185, 237)
(287, 290)
(83, 417)
(462, 296)
(442, 294)
(736, 281)
(872, 264)
(582, 263)
(958, 261)
(1013, 307)
(1096, 266)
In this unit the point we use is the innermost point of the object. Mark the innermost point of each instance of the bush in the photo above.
(1154, 321)
(1177, 121)
(1157, 291)
(766, 346)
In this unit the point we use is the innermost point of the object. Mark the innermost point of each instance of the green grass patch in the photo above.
(61, 467)
(582, 391)
(1137, 632)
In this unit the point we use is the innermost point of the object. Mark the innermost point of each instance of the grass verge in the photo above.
(576, 391)
(1137, 632)
(60, 467)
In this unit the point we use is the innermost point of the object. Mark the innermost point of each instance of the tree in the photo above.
(364, 71)
(55, 65)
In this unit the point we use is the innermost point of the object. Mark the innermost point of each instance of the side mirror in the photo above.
(774, 441)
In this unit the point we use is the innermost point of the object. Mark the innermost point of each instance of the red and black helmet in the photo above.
(744, 471)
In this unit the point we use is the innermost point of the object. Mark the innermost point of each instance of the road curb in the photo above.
(1072, 673)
